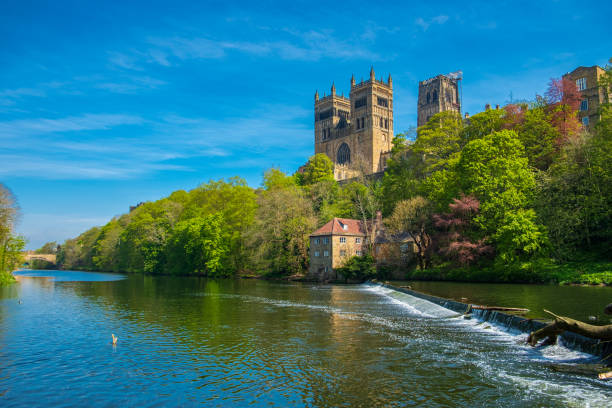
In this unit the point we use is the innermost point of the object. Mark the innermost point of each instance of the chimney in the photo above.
(467, 115)
(488, 106)
(497, 106)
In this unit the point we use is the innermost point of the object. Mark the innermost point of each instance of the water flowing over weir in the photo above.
(504, 320)
(236, 343)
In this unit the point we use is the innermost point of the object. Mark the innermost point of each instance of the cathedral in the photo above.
(356, 133)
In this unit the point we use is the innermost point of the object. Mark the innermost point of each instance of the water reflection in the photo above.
(187, 341)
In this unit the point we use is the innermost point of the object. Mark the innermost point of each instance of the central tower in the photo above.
(356, 133)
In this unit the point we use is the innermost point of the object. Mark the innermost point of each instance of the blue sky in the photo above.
(105, 104)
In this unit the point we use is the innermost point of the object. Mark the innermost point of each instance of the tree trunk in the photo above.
(563, 323)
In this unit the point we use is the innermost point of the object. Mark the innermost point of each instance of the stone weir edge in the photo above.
(570, 340)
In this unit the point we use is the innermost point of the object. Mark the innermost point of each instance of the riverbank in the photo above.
(538, 272)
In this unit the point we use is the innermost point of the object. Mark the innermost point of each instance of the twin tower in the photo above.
(356, 133)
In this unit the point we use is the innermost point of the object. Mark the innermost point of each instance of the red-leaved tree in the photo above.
(457, 237)
(563, 101)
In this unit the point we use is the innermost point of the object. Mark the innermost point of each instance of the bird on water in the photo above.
(115, 338)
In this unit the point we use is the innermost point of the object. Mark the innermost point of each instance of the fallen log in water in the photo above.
(563, 323)
(590, 370)
(605, 376)
(501, 309)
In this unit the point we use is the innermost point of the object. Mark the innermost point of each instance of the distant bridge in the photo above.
(31, 255)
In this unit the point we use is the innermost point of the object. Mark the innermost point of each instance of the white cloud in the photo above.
(65, 148)
(308, 46)
(38, 126)
(425, 24)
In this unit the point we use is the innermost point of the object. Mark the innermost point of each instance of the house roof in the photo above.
(341, 226)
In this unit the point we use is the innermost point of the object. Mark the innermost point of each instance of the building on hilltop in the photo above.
(438, 94)
(594, 95)
(356, 133)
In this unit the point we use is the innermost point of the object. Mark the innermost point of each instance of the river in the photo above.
(236, 343)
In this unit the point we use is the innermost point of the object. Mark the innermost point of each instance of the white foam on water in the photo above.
(414, 305)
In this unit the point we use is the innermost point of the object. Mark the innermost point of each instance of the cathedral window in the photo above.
(386, 123)
(428, 97)
(325, 114)
(435, 96)
(344, 154)
(361, 102)
(382, 102)
(381, 121)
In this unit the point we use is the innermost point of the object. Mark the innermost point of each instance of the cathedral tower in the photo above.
(438, 94)
(358, 131)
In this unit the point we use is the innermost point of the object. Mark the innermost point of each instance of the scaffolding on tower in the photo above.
(458, 76)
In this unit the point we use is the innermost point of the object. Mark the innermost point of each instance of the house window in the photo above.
(316, 241)
(386, 123)
(326, 240)
(325, 253)
(316, 253)
(358, 253)
(358, 240)
(584, 105)
(342, 252)
(581, 84)
(585, 121)
(381, 121)
(343, 240)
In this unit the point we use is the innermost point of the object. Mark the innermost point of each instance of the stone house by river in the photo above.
(342, 238)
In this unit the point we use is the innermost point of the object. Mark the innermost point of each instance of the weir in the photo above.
(511, 322)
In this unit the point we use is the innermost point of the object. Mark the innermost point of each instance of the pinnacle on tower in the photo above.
(352, 80)
(372, 76)
(333, 89)
(390, 81)
(317, 95)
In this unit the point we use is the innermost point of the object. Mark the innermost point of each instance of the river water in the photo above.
(236, 343)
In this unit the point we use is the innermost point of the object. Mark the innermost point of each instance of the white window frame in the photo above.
(584, 104)
(326, 253)
(326, 240)
(358, 240)
(343, 240)
(316, 241)
(342, 252)
(581, 83)
(358, 253)
(316, 253)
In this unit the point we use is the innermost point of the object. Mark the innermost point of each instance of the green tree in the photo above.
(438, 141)
(494, 169)
(358, 268)
(196, 246)
(278, 238)
(404, 174)
(575, 196)
(319, 168)
(47, 248)
(483, 124)
(414, 217)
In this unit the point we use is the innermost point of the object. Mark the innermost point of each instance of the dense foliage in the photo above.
(10, 245)
(511, 191)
